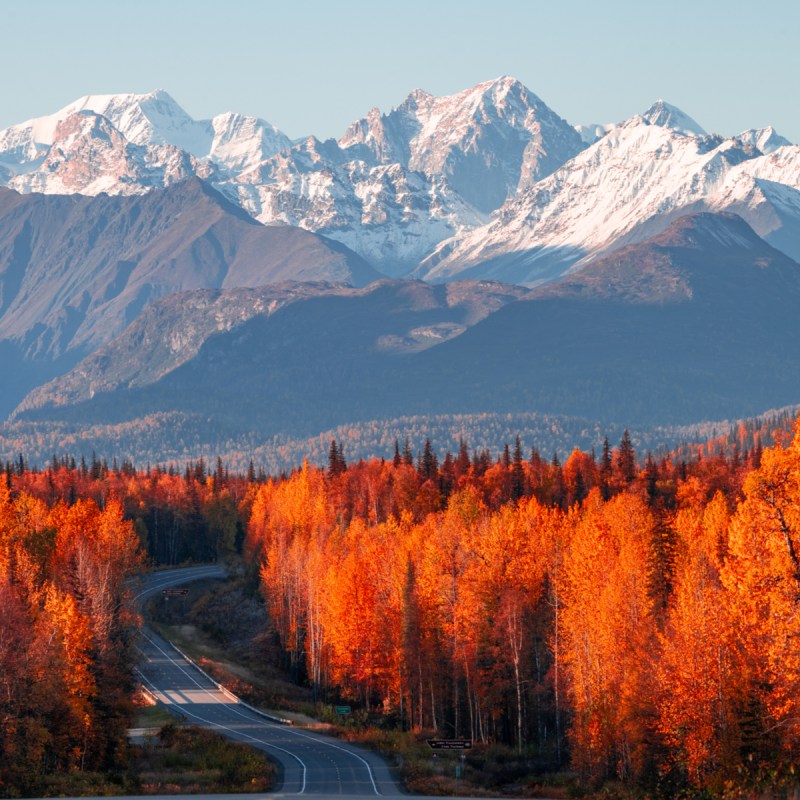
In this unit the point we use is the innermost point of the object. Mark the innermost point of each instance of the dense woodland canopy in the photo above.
(633, 617)
(638, 619)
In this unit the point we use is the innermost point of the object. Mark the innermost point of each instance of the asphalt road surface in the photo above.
(311, 763)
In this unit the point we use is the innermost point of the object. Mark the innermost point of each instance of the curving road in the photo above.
(311, 763)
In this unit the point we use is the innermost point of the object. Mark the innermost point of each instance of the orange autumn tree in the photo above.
(448, 615)
(503, 585)
(289, 522)
(698, 686)
(69, 638)
(762, 578)
(606, 628)
(363, 615)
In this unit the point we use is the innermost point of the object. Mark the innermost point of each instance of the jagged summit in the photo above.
(767, 140)
(627, 186)
(669, 116)
(153, 118)
(487, 141)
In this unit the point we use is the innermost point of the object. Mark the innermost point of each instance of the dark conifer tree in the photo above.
(517, 472)
(651, 478)
(481, 462)
(606, 470)
(336, 463)
(579, 490)
(462, 464)
(559, 495)
(626, 459)
(341, 459)
(95, 469)
(757, 452)
(428, 464)
(447, 475)
(408, 456)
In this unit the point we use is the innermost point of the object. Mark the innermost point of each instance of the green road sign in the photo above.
(343, 709)
(450, 744)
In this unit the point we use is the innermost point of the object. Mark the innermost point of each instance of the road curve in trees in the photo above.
(311, 763)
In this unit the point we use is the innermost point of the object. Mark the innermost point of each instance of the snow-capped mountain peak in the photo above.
(767, 140)
(485, 142)
(148, 119)
(152, 118)
(89, 155)
(241, 142)
(669, 116)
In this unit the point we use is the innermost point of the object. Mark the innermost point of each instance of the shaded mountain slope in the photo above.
(74, 271)
(698, 323)
(292, 326)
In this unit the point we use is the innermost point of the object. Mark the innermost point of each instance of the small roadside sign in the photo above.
(343, 709)
(174, 592)
(450, 744)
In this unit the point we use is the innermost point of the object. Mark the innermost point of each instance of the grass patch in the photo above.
(191, 760)
(83, 784)
(152, 717)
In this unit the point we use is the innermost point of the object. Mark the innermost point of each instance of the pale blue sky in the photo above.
(314, 67)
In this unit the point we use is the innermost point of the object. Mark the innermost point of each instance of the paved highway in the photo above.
(311, 763)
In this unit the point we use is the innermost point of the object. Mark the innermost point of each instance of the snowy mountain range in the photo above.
(486, 183)
(626, 187)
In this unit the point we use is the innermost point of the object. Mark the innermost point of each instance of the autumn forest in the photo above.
(630, 618)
